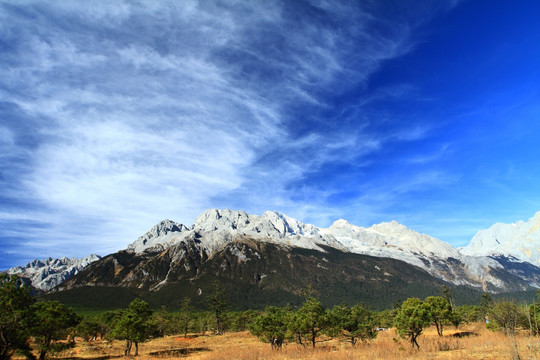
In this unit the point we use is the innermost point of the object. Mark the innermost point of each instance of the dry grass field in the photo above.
(475, 342)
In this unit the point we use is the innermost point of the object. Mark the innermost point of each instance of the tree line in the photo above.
(51, 323)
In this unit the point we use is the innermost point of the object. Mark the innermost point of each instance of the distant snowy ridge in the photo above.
(215, 228)
(520, 240)
(47, 273)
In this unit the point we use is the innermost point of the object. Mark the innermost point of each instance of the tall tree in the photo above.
(447, 294)
(534, 315)
(133, 325)
(486, 303)
(311, 319)
(185, 317)
(52, 322)
(15, 301)
(217, 303)
(441, 312)
(412, 318)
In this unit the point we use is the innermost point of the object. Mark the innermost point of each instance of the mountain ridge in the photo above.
(214, 229)
(48, 273)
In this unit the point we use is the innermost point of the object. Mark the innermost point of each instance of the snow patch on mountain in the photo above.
(48, 273)
(520, 240)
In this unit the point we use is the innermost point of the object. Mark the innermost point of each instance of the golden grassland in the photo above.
(479, 344)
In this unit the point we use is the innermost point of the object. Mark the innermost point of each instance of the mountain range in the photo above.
(273, 256)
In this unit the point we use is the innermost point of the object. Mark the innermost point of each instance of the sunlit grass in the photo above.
(477, 343)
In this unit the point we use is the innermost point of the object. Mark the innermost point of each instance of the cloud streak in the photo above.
(119, 114)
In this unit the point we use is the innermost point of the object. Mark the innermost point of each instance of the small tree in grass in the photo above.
(411, 319)
(311, 319)
(133, 325)
(441, 312)
(271, 326)
(52, 322)
(356, 323)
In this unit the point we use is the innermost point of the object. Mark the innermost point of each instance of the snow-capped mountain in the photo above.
(267, 259)
(518, 242)
(215, 228)
(47, 273)
(170, 251)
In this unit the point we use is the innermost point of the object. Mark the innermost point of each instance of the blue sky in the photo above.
(116, 115)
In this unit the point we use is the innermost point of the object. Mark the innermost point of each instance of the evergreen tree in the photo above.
(486, 303)
(534, 315)
(468, 313)
(52, 321)
(217, 303)
(411, 319)
(88, 328)
(441, 312)
(133, 325)
(185, 317)
(107, 322)
(311, 319)
(356, 323)
(15, 302)
(271, 326)
(447, 294)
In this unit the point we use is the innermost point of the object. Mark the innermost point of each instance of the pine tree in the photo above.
(441, 312)
(51, 321)
(217, 303)
(133, 325)
(15, 301)
(271, 326)
(412, 318)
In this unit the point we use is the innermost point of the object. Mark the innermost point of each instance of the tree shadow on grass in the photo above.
(104, 357)
(464, 334)
(177, 352)
(163, 353)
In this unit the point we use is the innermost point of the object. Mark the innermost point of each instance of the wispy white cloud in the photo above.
(141, 111)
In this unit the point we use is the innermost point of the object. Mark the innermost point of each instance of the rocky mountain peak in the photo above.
(47, 273)
(219, 220)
